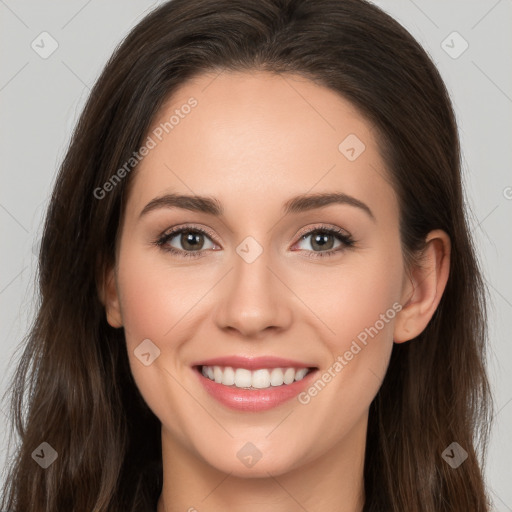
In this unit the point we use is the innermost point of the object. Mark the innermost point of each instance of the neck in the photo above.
(334, 482)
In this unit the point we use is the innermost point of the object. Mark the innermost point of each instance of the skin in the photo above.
(254, 141)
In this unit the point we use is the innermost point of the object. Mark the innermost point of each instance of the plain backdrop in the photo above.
(41, 98)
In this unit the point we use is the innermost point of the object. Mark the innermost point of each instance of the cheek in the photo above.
(153, 301)
(154, 297)
(359, 309)
(369, 303)
(160, 303)
(351, 297)
(358, 302)
(151, 305)
(143, 304)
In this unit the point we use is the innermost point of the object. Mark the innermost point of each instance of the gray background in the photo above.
(41, 99)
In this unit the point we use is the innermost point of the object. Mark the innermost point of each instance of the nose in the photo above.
(253, 300)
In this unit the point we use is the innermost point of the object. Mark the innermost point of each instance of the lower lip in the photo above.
(254, 400)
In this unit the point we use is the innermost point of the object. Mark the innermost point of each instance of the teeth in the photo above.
(257, 379)
(228, 376)
(243, 378)
(300, 374)
(289, 375)
(261, 379)
(217, 374)
(276, 377)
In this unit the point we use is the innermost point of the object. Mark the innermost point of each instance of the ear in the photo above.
(423, 290)
(109, 297)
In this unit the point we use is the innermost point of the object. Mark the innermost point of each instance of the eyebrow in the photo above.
(212, 206)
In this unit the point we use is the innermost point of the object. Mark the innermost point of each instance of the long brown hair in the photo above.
(73, 388)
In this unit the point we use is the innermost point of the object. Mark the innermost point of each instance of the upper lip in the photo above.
(253, 363)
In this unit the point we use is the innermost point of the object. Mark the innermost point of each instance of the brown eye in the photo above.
(324, 241)
(192, 241)
(186, 241)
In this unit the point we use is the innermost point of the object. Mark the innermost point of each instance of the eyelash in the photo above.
(344, 238)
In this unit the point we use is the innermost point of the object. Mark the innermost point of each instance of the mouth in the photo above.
(253, 385)
(262, 378)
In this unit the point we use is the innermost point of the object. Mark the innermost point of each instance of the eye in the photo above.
(189, 241)
(186, 241)
(325, 241)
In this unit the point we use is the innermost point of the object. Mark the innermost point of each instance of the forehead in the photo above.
(260, 136)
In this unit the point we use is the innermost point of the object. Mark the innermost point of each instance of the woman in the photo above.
(258, 288)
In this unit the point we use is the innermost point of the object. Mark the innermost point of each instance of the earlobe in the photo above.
(424, 289)
(109, 296)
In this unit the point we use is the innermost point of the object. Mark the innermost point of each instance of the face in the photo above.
(285, 254)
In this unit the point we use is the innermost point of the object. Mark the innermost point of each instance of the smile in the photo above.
(253, 384)
(263, 378)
